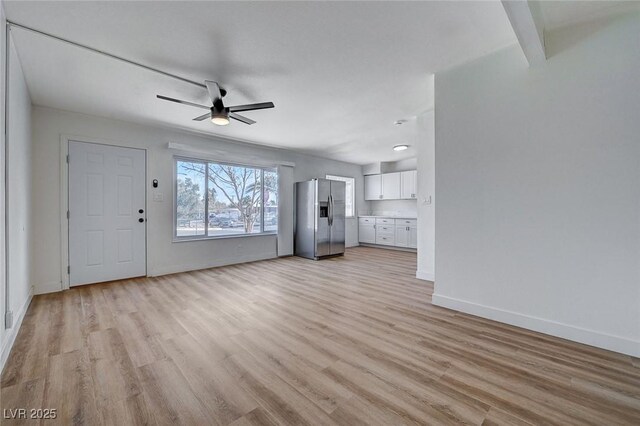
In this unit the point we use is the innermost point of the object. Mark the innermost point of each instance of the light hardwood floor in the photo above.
(348, 341)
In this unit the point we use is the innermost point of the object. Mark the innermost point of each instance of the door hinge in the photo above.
(67, 159)
(67, 214)
(68, 269)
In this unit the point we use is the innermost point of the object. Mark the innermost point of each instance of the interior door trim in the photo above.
(64, 201)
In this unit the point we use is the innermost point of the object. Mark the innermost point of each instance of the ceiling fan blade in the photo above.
(166, 98)
(202, 117)
(214, 90)
(241, 118)
(251, 107)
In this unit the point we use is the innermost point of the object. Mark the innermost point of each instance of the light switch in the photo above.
(158, 196)
(427, 200)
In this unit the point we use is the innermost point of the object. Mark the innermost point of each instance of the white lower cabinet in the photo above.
(407, 233)
(367, 233)
(385, 240)
(388, 231)
(385, 232)
(402, 236)
(406, 236)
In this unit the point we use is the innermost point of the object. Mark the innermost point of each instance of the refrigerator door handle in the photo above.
(330, 210)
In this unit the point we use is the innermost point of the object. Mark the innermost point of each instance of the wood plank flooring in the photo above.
(349, 341)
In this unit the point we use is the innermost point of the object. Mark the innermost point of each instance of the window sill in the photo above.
(220, 237)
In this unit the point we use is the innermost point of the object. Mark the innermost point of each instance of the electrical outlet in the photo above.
(158, 197)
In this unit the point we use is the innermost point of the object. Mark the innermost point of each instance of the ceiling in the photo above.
(339, 73)
(557, 14)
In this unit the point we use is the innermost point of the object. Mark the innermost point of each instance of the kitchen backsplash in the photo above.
(399, 208)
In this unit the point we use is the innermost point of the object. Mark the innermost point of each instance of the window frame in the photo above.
(206, 236)
(353, 191)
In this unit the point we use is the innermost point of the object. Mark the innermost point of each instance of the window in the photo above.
(350, 193)
(216, 199)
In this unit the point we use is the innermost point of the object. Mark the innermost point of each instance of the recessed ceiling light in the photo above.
(400, 147)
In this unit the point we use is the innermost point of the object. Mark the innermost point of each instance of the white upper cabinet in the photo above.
(408, 185)
(373, 187)
(391, 186)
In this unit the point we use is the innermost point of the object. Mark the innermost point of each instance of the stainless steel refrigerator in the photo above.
(320, 210)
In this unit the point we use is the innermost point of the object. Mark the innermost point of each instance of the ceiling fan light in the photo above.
(400, 147)
(220, 116)
(220, 120)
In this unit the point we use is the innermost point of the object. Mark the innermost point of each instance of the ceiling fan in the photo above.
(220, 114)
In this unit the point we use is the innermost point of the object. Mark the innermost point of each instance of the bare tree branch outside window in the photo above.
(236, 196)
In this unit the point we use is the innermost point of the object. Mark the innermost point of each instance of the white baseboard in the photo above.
(12, 333)
(565, 331)
(51, 287)
(168, 269)
(425, 275)
(385, 247)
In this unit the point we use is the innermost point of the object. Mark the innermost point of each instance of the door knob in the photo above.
(141, 220)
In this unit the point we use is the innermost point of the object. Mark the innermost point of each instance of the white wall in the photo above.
(425, 144)
(3, 332)
(538, 179)
(18, 199)
(399, 166)
(19, 184)
(163, 256)
(390, 166)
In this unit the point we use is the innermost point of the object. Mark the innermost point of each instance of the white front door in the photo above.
(107, 211)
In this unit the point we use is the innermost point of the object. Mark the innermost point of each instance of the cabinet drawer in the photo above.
(364, 220)
(385, 229)
(386, 240)
(407, 222)
(385, 221)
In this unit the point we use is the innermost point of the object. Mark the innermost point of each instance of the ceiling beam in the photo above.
(526, 19)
